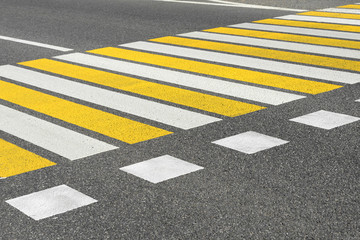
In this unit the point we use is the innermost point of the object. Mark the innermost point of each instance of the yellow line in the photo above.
(267, 79)
(328, 26)
(351, 6)
(15, 160)
(105, 123)
(288, 37)
(331, 14)
(185, 97)
(262, 52)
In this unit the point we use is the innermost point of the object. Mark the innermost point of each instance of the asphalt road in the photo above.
(305, 189)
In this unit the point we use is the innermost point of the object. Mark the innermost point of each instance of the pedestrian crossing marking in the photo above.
(327, 26)
(264, 53)
(289, 83)
(222, 106)
(330, 14)
(15, 160)
(111, 125)
(346, 21)
(351, 6)
(287, 37)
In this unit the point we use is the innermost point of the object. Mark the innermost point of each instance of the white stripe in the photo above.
(300, 47)
(62, 141)
(321, 19)
(299, 30)
(185, 79)
(240, 5)
(250, 62)
(159, 112)
(35, 44)
(341, 10)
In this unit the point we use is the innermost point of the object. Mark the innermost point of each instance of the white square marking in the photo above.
(250, 142)
(325, 119)
(50, 202)
(161, 168)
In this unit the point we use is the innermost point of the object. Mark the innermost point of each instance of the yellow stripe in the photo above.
(327, 26)
(105, 123)
(262, 52)
(331, 14)
(267, 79)
(288, 37)
(15, 160)
(185, 97)
(351, 6)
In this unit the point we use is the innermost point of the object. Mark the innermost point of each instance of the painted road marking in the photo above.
(354, 6)
(15, 160)
(189, 98)
(50, 202)
(37, 44)
(321, 19)
(266, 79)
(288, 37)
(328, 26)
(144, 108)
(95, 120)
(299, 47)
(298, 30)
(49, 136)
(242, 61)
(325, 119)
(266, 53)
(250, 142)
(341, 10)
(240, 5)
(331, 14)
(160, 169)
(238, 90)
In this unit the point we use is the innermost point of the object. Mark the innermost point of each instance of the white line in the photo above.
(159, 112)
(321, 19)
(240, 5)
(299, 30)
(185, 79)
(341, 10)
(62, 141)
(269, 65)
(35, 44)
(300, 47)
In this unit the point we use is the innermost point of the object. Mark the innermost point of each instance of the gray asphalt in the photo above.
(306, 189)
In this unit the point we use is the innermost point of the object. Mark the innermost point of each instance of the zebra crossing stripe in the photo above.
(265, 53)
(54, 138)
(288, 37)
(341, 10)
(95, 120)
(185, 97)
(267, 79)
(354, 6)
(292, 46)
(15, 160)
(298, 30)
(321, 19)
(314, 25)
(214, 85)
(256, 63)
(331, 14)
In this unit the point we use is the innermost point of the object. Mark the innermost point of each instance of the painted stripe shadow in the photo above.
(238, 90)
(56, 139)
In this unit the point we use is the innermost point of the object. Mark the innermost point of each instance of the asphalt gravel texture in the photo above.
(305, 189)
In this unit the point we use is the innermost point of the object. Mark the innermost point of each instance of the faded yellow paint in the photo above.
(351, 6)
(264, 53)
(327, 26)
(295, 84)
(102, 122)
(288, 37)
(176, 95)
(15, 160)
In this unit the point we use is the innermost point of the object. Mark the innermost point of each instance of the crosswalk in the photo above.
(143, 90)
